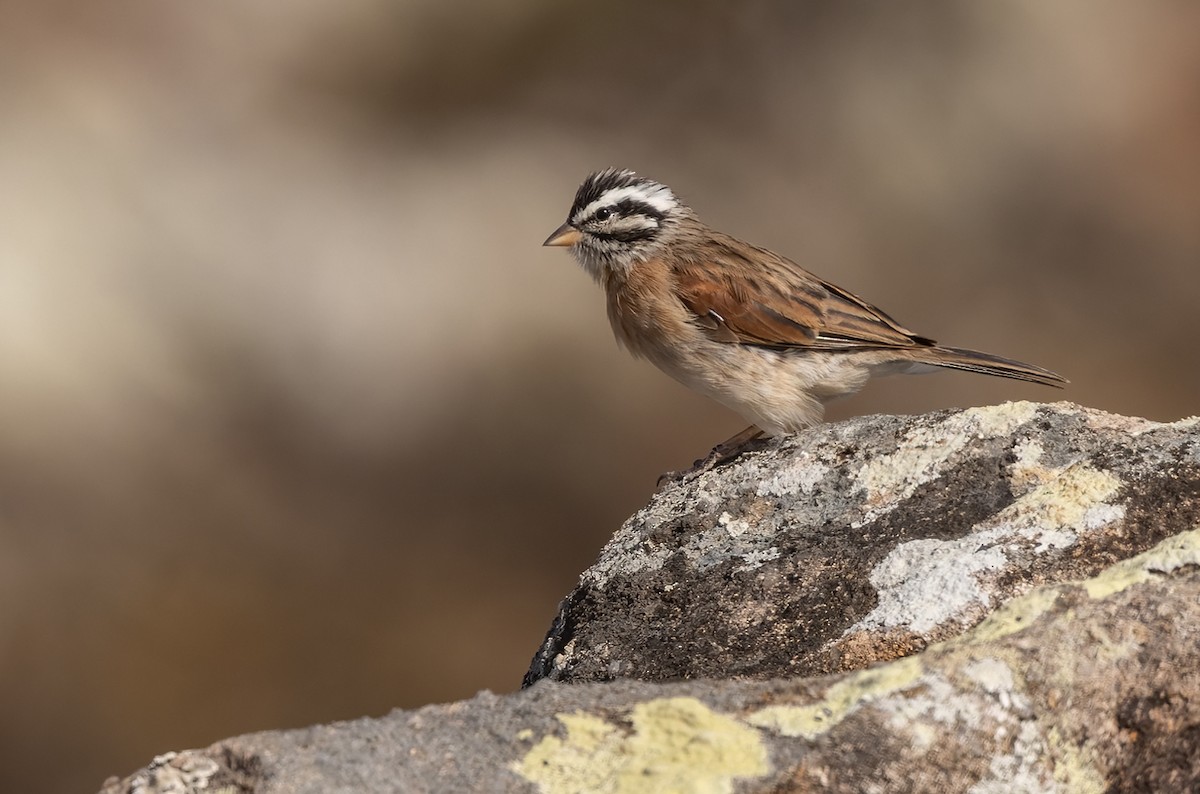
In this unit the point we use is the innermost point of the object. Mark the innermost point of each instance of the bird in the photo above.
(739, 323)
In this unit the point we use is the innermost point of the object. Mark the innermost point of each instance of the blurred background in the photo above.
(298, 422)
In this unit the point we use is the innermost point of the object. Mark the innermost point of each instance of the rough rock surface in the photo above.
(1043, 560)
(865, 541)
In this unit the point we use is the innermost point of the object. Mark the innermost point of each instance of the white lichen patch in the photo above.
(187, 771)
(921, 456)
(754, 559)
(924, 583)
(730, 537)
(997, 710)
(927, 583)
(1027, 470)
(676, 744)
(1022, 770)
(995, 677)
(992, 674)
(736, 527)
(627, 553)
(1185, 424)
(1116, 424)
(563, 658)
(938, 701)
(799, 475)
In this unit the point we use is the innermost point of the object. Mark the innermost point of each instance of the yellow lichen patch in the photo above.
(1175, 551)
(1001, 420)
(840, 700)
(1021, 612)
(919, 457)
(677, 745)
(1071, 769)
(1014, 616)
(1073, 498)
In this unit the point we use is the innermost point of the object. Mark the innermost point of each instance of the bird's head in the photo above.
(617, 220)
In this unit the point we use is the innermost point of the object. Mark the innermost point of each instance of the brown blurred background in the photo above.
(299, 423)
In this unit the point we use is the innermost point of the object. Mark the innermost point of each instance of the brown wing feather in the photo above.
(745, 294)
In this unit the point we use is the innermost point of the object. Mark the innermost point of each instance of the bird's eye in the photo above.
(603, 214)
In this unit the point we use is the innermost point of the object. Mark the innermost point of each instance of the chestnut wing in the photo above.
(747, 295)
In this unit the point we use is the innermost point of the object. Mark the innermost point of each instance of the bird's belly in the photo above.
(780, 391)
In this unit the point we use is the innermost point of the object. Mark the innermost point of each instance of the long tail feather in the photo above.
(987, 364)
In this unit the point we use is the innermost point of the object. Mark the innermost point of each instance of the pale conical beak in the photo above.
(563, 236)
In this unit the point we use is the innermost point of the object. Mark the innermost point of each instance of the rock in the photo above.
(1023, 580)
(865, 541)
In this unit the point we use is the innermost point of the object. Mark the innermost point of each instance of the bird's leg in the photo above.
(721, 454)
(729, 449)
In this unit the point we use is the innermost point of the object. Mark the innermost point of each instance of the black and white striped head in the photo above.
(617, 220)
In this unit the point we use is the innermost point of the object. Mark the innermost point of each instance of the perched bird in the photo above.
(741, 324)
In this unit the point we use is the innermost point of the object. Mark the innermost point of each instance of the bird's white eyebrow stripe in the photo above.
(659, 197)
(641, 222)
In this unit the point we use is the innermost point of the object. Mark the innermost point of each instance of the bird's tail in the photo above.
(986, 363)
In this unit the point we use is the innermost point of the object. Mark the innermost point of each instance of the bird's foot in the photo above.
(720, 455)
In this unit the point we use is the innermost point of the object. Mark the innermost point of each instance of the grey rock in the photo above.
(864, 541)
(1023, 580)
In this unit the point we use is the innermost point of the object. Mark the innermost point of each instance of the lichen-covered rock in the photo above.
(1087, 686)
(865, 541)
(1001, 599)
